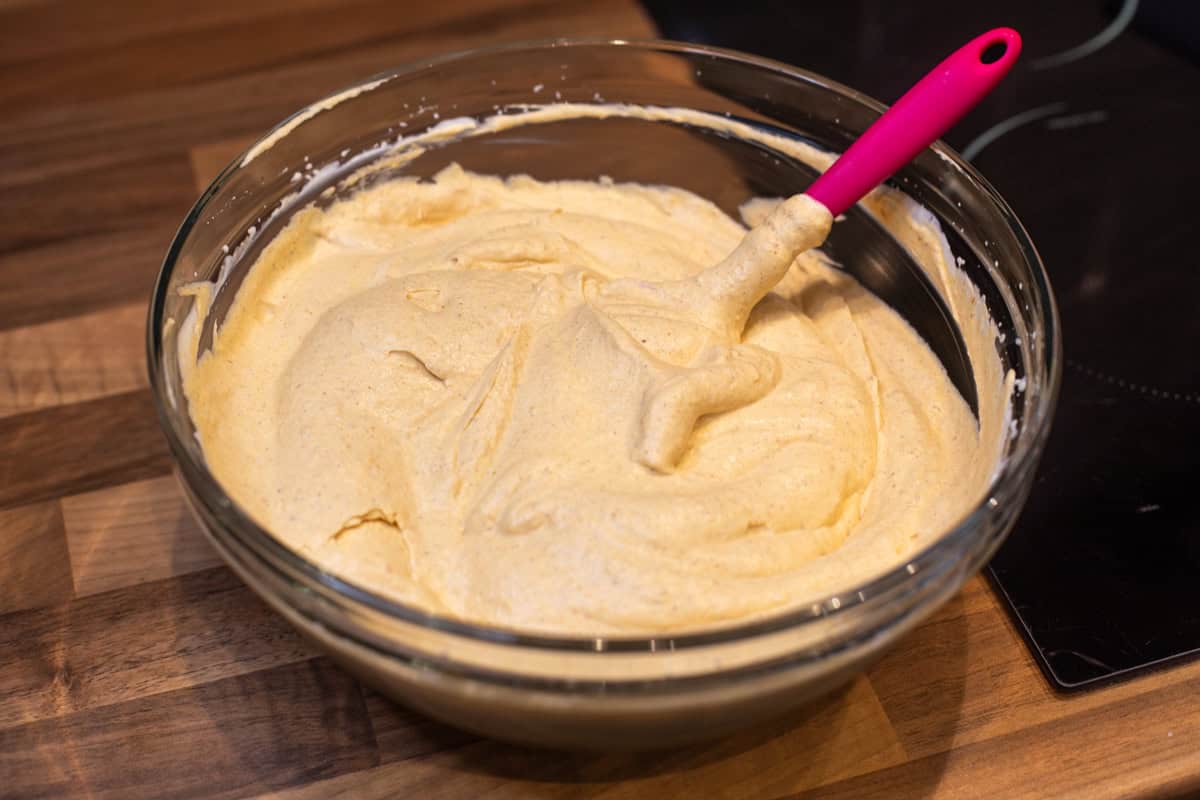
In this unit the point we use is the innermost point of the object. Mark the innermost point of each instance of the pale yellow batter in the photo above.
(568, 407)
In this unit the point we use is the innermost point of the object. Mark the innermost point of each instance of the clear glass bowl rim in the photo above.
(1003, 487)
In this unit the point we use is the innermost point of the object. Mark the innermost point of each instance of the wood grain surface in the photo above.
(133, 664)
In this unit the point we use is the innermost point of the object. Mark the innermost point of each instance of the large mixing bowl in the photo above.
(612, 692)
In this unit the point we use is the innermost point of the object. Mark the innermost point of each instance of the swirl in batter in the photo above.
(579, 407)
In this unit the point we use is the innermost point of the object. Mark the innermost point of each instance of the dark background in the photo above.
(1103, 569)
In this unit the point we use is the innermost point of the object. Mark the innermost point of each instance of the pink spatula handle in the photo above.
(918, 119)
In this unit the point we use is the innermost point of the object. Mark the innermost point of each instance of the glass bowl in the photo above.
(622, 693)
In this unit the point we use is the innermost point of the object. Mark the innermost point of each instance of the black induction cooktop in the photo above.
(1092, 140)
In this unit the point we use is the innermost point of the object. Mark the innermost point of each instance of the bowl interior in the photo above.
(312, 156)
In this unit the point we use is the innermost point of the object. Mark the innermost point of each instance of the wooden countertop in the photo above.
(133, 664)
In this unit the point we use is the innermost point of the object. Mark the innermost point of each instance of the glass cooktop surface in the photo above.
(1092, 141)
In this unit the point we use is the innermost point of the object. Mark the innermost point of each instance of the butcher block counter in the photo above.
(133, 664)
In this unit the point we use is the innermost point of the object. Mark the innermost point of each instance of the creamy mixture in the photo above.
(582, 407)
